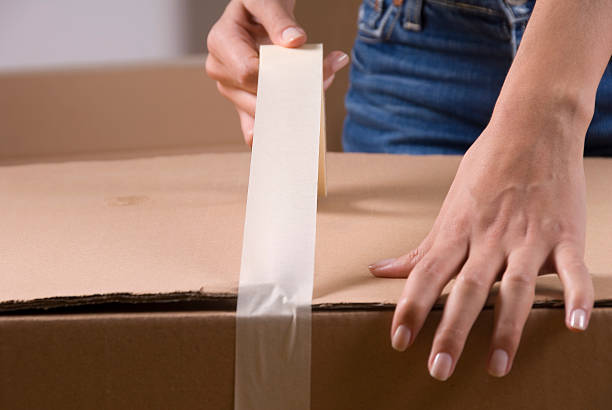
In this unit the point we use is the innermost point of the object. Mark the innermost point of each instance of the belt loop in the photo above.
(413, 10)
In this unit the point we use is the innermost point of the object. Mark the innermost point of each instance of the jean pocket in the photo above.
(373, 18)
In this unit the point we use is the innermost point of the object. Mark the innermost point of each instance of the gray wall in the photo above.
(42, 33)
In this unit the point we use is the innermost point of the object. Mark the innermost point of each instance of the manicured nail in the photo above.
(381, 264)
(401, 338)
(328, 81)
(441, 366)
(578, 319)
(498, 363)
(340, 62)
(292, 33)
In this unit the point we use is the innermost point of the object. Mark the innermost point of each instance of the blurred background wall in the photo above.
(65, 87)
(42, 33)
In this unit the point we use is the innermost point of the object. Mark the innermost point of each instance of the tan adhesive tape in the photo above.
(273, 317)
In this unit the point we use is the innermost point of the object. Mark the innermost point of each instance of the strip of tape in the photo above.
(273, 317)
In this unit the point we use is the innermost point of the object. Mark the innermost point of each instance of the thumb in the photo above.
(276, 16)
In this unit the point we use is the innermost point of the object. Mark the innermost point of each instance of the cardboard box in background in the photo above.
(110, 110)
(169, 106)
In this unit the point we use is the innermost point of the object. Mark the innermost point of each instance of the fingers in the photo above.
(577, 285)
(462, 308)
(245, 105)
(402, 266)
(233, 59)
(278, 20)
(334, 62)
(514, 302)
(328, 82)
(243, 76)
(246, 124)
(243, 100)
(422, 289)
(233, 52)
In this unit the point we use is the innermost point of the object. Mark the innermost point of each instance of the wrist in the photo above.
(551, 116)
(565, 106)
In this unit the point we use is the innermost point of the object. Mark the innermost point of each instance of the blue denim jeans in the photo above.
(425, 75)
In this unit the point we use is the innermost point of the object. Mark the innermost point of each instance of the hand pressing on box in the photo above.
(233, 44)
(516, 208)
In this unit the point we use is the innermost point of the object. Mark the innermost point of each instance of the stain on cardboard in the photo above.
(128, 200)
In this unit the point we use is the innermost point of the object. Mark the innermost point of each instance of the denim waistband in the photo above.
(514, 11)
(380, 17)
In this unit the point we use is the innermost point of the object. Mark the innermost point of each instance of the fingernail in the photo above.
(381, 264)
(578, 319)
(340, 62)
(499, 363)
(401, 338)
(328, 81)
(441, 366)
(291, 33)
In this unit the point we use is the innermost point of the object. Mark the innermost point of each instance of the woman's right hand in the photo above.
(233, 47)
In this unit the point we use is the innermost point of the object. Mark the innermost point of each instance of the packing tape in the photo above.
(273, 317)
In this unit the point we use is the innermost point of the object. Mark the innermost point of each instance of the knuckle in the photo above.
(411, 258)
(209, 67)
(415, 253)
(457, 230)
(520, 224)
(494, 234)
(551, 226)
(454, 239)
(473, 280)
(575, 266)
(430, 266)
(213, 38)
(245, 74)
(487, 220)
(520, 278)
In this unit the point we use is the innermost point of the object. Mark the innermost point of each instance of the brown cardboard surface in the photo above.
(94, 111)
(141, 109)
(184, 360)
(172, 226)
(154, 231)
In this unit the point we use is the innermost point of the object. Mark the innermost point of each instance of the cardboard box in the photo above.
(131, 110)
(119, 281)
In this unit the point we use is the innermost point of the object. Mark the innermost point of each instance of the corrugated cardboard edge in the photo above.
(196, 300)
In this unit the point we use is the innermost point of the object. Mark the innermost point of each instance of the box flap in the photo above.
(170, 228)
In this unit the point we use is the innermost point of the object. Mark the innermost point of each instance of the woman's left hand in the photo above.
(516, 208)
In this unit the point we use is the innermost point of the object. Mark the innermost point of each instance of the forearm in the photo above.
(563, 54)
